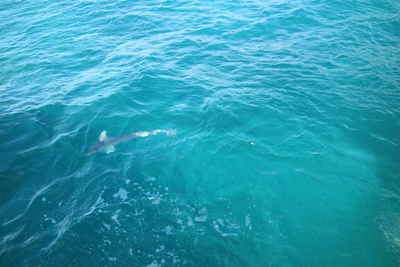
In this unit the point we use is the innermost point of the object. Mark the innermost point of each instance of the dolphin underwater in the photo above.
(107, 143)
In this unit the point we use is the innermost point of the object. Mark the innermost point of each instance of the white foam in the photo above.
(216, 226)
(175, 258)
(107, 226)
(168, 230)
(159, 249)
(190, 222)
(127, 181)
(154, 264)
(219, 222)
(248, 221)
(201, 218)
(49, 219)
(115, 219)
(155, 200)
(122, 194)
(203, 211)
(231, 234)
(150, 179)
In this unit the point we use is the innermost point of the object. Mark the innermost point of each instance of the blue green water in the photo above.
(287, 148)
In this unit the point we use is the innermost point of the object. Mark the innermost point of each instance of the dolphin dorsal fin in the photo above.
(103, 136)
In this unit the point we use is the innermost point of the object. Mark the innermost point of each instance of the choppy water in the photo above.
(288, 145)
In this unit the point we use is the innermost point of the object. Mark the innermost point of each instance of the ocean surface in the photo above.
(287, 150)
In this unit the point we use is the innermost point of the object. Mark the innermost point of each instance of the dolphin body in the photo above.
(107, 143)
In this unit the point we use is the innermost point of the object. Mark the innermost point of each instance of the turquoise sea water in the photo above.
(287, 148)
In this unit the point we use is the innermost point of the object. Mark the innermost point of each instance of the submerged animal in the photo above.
(107, 143)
